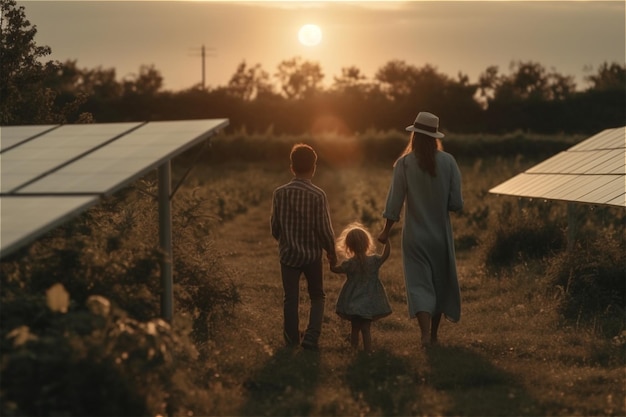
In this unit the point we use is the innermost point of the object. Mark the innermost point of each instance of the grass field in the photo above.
(527, 343)
(511, 354)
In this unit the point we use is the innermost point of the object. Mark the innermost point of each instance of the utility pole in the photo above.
(203, 55)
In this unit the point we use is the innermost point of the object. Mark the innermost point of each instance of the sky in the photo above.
(569, 37)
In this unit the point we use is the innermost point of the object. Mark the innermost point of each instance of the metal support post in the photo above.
(165, 241)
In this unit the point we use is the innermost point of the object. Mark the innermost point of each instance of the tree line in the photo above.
(293, 99)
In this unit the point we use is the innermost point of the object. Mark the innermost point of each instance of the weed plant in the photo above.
(591, 278)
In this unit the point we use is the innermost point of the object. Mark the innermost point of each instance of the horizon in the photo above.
(461, 37)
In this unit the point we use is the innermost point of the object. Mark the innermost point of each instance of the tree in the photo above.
(148, 82)
(488, 82)
(299, 79)
(560, 87)
(247, 83)
(609, 77)
(396, 79)
(24, 99)
(402, 82)
(350, 80)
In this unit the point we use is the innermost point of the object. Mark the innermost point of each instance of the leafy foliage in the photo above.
(94, 360)
(529, 97)
(523, 235)
(128, 361)
(591, 277)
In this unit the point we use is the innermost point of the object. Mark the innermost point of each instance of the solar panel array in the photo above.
(593, 171)
(50, 173)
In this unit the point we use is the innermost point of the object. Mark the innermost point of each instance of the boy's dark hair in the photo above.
(303, 158)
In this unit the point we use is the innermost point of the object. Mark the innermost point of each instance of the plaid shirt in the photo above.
(300, 222)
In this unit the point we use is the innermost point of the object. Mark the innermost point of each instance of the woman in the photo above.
(428, 180)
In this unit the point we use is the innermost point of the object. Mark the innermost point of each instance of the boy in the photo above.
(300, 222)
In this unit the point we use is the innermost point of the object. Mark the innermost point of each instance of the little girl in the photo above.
(362, 298)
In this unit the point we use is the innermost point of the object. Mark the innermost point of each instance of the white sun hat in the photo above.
(426, 123)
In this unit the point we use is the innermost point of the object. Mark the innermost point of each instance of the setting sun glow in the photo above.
(310, 35)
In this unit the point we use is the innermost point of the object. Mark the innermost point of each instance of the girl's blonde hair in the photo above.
(356, 241)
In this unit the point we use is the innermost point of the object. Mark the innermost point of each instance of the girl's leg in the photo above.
(356, 329)
(424, 319)
(434, 328)
(367, 335)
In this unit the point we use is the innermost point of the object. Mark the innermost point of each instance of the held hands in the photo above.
(332, 259)
(383, 237)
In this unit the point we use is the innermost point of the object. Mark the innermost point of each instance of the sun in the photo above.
(310, 35)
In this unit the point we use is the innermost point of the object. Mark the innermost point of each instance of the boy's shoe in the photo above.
(308, 344)
(289, 342)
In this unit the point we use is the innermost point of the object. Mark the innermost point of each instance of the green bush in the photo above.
(521, 235)
(591, 277)
(91, 360)
(125, 362)
(379, 147)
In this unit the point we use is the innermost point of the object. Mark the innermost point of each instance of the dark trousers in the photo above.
(291, 286)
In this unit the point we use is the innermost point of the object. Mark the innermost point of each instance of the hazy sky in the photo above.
(462, 36)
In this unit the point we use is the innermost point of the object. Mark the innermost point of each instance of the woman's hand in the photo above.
(383, 237)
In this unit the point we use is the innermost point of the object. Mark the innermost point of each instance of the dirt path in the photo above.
(261, 377)
(252, 255)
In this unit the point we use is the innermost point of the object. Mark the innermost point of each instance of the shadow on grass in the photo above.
(285, 386)
(475, 387)
(446, 381)
(387, 383)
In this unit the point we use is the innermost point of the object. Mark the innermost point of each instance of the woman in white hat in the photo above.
(427, 181)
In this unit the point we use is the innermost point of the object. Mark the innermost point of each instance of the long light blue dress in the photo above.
(427, 241)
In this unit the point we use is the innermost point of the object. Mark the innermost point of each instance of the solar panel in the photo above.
(51, 173)
(26, 218)
(593, 171)
(51, 150)
(13, 135)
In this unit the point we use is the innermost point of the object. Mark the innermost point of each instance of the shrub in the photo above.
(591, 278)
(130, 363)
(92, 360)
(522, 235)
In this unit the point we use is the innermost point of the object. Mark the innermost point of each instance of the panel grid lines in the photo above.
(52, 173)
(593, 171)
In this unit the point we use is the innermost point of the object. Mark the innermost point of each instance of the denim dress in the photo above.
(362, 294)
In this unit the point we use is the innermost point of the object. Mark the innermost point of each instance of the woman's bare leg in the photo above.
(435, 328)
(424, 319)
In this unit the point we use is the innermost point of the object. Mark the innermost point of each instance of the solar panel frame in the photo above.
(32, 161)
(604, 191)
(607, 139)
(620, 200)
(593, 172)
(12, 136)
(23, 220)
(49, 157)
